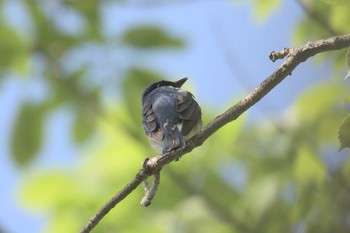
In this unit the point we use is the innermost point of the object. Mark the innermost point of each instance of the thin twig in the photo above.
(145, 185)
(150, 192)
(274, 56)
(153, 165)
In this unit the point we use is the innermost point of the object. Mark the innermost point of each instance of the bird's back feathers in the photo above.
(169, 114)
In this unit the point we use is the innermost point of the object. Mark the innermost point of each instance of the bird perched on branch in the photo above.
(170, 115)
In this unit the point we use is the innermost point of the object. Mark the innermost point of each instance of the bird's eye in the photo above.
(158, 85)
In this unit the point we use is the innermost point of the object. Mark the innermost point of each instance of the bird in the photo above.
(170, 115)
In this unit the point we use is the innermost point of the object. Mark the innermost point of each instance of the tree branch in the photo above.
(153, 165)
(150, 192)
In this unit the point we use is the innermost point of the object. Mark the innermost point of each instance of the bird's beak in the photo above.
(180, 82)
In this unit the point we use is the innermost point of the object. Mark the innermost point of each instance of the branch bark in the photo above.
(153, 165)
(150, 192)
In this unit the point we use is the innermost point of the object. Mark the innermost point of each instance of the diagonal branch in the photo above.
(153, 165)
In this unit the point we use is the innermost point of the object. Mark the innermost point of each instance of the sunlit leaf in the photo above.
(319, 111)
(260, 195)
(21, 64)
(55, 185)
(318, 100)
(150, 37)
(63, 221)
(344, 133)
(11, 46)
(308, 30)
(118, 147)
(27, 134)
(308, 169)
(339, 18)
(264, 8)
(225, 140)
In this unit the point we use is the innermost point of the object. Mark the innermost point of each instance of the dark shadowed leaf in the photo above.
(27, 134)
(150, 37)
(344, 133)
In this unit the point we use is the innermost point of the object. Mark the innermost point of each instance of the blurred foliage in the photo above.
(265, 8)
(150, 37)
(337, 2)
(27, 134)
(321, 21)
(287, 177)
(286, 180)
(344, 133)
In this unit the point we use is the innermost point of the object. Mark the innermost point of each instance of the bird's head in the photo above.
(163, 83)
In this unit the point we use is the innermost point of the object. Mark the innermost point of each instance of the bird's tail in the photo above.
(172, 139)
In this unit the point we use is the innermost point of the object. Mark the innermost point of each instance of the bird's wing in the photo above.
(188, 110)
(148, 119)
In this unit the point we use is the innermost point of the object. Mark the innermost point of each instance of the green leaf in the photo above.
(21, 64)
(55, 185)
(83, 127)
(27, 134)
(226, 139)
(319, 100)
(344, 133)
(265, 8)
(260, 195)
(150, 37)
(45, 32)
(308, 30)
(339, 18)
(12, 47)
(318, 109)
(308, 169)
(337, 2)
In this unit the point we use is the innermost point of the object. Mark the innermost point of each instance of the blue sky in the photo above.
(226, 56)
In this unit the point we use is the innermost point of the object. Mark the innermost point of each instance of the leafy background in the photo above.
(71, 75)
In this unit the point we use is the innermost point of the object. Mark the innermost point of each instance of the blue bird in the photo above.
(170, 115)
